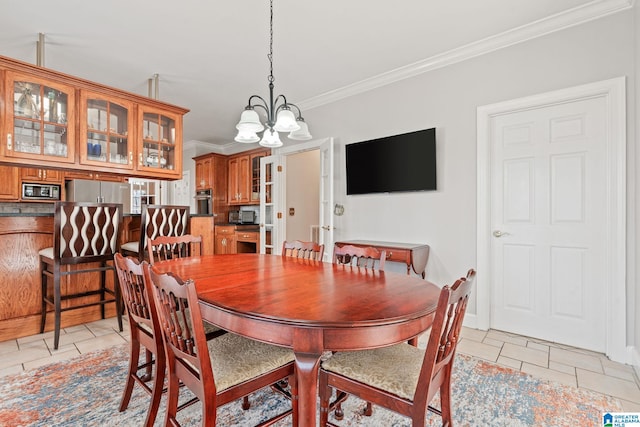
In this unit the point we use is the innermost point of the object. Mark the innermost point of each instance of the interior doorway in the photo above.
(302, 196)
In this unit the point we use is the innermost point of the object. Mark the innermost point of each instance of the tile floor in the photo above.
(567, 365)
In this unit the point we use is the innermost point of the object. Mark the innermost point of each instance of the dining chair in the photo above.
(357, 256)
(84, 234)
(158, 220)
(365, 257)
(217, 371)
(145, 332)
(403, 378)
(164, 248)
(300, 249)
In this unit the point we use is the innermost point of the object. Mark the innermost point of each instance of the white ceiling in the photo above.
(212, 55)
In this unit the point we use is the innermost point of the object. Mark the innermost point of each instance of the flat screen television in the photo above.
(399, 163)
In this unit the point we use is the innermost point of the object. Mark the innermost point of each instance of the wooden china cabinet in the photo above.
(158, 135)
(51, 120)
(107, 126)
(39, 119)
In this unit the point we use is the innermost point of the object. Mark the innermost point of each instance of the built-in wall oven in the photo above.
(204, 202)
(40, 191)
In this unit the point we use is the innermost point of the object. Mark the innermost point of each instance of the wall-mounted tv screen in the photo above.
(405, 162)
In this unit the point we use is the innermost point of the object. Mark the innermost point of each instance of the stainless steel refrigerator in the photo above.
(81, 190)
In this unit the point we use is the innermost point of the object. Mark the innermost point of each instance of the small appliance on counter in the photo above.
(242, 217)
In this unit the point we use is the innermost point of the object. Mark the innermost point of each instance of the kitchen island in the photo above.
(22, 235)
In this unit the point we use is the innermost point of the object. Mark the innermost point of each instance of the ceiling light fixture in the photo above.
(280, 118)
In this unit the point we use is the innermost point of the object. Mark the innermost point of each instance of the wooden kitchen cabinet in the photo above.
(94, 176)
(10, 179)
(247, 241)
(244, 177)
(53, 120)
(211, 174)
(225, 239)
(42, 175)
(238, 192)
(106, 126)
(160, 141)
(41, 124)
(203, 173)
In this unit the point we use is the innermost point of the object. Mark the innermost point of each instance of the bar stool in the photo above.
(156, 221)
(83, 233)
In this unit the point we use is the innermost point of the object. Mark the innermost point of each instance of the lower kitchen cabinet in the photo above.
(225, 239)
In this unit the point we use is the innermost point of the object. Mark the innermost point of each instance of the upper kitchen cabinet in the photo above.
(39, 119)
(244, 177)
(53, 120)
(160, 147)
(106, 124)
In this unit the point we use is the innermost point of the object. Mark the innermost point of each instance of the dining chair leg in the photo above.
(325, 396)
(245, 403)
(445, 397)
(157, 388)
(133, 368)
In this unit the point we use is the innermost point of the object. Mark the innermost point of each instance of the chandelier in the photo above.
(280, 117)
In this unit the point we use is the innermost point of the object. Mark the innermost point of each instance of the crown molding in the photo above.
(560, 21)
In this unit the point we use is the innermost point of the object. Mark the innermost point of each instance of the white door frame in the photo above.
(326, 194)
(615, 260)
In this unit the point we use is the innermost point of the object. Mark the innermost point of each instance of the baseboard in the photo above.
(634, 359)
(471, 321)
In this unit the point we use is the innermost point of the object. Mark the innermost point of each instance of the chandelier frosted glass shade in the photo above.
(271, 139)
(301, 134)
(246, 137)
(286, 121)
(249, 121)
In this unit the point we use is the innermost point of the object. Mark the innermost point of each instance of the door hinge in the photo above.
(279, 169)
(279, 215)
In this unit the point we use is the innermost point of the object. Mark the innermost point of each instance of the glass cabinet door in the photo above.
(158, 151)
(106, 124)
(42, 118)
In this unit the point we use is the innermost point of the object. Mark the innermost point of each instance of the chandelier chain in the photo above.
(270, 55)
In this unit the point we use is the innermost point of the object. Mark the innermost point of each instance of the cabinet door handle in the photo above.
(140, 159)
(39, 173)
(9, 141)
(44, 174)
(130, 157)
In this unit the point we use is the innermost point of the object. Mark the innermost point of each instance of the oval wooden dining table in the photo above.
(308, 306)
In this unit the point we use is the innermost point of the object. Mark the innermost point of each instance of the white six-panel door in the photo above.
(548, 188)
(551, 217)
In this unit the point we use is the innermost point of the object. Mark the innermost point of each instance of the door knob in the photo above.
(499, 233)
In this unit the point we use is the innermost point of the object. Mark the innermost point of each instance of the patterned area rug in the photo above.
(86, 391)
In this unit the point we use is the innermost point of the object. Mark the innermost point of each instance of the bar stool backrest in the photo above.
(162, 220)
(86, 232)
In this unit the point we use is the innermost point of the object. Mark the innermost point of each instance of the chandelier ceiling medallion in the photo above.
(280, 118)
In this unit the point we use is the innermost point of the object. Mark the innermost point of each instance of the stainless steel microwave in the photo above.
(40, 191)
